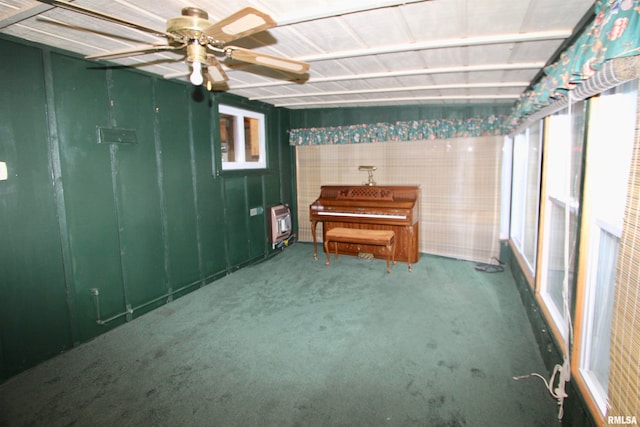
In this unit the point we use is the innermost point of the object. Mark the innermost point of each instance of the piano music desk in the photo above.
(384, 238)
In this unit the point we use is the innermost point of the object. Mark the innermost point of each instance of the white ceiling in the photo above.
(361, 52)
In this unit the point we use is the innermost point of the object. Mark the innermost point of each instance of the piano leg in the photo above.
(411, 246)
(326, 249)
(315, 246)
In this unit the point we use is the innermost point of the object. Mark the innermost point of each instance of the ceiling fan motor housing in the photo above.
(190, 25)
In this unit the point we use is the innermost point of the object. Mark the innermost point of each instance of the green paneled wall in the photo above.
(120, 224)
(135, 177)
(34, 312)
(257, 220)
(208, 193)
(177, 177)
(80, 104)
(235, 200)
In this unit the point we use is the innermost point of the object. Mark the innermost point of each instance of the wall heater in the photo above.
(279, 223)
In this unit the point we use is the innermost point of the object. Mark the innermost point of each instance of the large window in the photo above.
(609, 151)
(242, 138)
(525, 193)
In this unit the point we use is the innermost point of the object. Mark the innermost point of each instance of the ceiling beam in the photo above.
(490, 85)
(420, 71)
(340, 11)
(24, 13)
(440, 44)
(357, 102)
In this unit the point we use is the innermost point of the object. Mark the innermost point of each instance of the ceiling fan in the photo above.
(200, 40)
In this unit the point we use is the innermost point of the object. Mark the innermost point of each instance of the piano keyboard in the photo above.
(362, 215)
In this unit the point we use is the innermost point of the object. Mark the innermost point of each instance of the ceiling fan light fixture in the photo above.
(196, 77)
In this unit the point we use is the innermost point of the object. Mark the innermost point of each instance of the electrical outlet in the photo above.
(256, 211)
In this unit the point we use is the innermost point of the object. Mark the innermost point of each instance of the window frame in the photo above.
(604, 212)
(240, 114)
(559, 193)
(525, 194)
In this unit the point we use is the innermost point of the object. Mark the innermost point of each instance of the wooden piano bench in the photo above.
(384, 238)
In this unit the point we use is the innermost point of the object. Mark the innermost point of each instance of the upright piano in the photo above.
(370, 207)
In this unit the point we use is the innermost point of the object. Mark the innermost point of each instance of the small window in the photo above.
(242, 139)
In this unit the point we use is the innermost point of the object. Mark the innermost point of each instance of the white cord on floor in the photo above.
(558, 393)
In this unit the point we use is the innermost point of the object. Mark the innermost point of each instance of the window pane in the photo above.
(227, 133)
(251, 139)
(532, 196)
(555, 262)
(558, 152)
(525, 193)
(578, 114)
(518, 185)
(597, 357)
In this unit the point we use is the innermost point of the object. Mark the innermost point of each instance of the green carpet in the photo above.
(290, 342)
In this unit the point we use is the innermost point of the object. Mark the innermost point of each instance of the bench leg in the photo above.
(393, 253)
(388, 256)
(392, 250)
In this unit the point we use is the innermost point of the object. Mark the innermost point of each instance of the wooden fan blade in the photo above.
(214, 72)
(211, 83)
(270, 61)
(241, 24)
(95, 14)
(134, 52)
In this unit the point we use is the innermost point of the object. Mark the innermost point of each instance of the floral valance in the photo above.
(414, 130)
